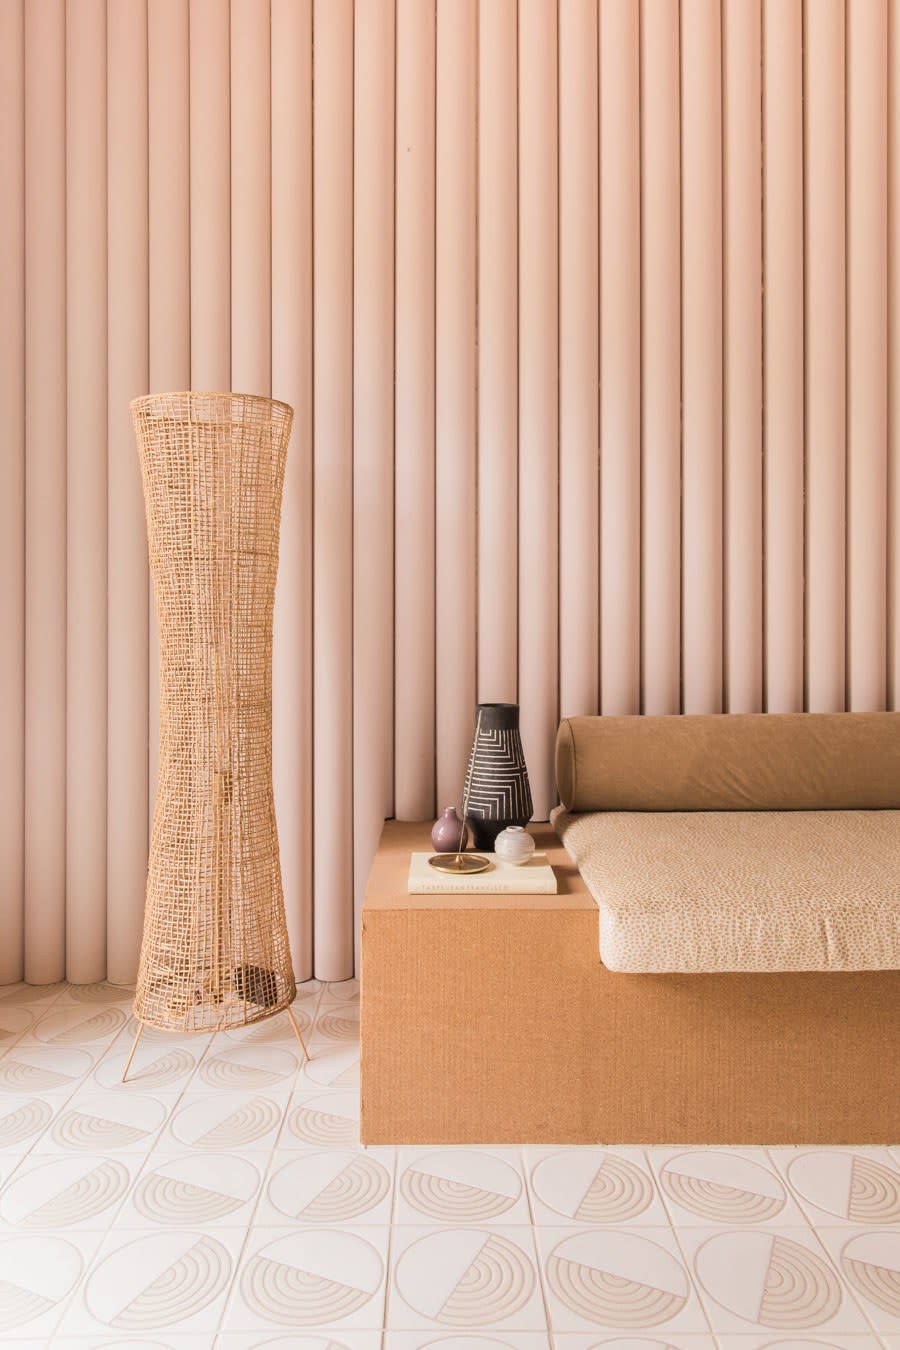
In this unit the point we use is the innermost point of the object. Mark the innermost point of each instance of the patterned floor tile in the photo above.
(427, 1340)
(9, 1162)
(333, 1187)
(161, 1036)
(620, 1280)
(727, 1186)
(114, 1121)
(99, 993)
(310, 1277)
(869, 1261)
(23, 1120)
(310, 989)
(322, 1119)
(225, 1121)
(83, 1024)
(248, 1067)
(461, 1186)
(332, 1064)
(35, 995)
(195, 1189)
(464, 1279)
(593, 1186)
(50, 1071)
(69, 1191)
(40, 1274)
(277, 1030)
(342, 991)
(338, 1022)
(141, 1283)
(30, 1343)
(798, 1342)
(668, 1341)
(16, 1020)
(320, 1339)
(154, 1067)
(852, 1186)
(95, 1342)
(778, 1280)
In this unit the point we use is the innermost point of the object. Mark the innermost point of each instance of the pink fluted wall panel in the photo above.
(45, 492)
(701, 361)
(12, 485)
(210, 201)
(498, 317)
(169, 161)
(486, 204)
(128, 278)
(414, 317)
(333, 485)
(579, 357)
(538, 397)
(455, 390)
(826, 354)
(866, 353)
(251, 197)
(86, 491)
(660, 358)
(743, 402)
(291, 74)
(783, 339)
(168, 149)
(893, 301)
(373, 433)
(620, 358)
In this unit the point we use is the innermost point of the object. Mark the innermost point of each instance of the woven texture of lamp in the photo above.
(215, 950)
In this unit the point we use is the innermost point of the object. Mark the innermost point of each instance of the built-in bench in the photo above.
(492, 1018)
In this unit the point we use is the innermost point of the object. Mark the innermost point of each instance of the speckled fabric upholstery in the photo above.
(709, 891)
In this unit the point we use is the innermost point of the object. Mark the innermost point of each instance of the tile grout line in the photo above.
(538, 1254)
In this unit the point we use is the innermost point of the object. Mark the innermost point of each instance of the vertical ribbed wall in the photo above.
(589, 311)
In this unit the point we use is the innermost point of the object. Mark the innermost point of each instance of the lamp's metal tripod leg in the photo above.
(290, 1014)
(134, 1046)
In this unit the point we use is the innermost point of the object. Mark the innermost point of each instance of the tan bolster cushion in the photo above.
(730, 762)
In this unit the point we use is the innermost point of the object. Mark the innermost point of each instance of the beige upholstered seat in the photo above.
(704, 891)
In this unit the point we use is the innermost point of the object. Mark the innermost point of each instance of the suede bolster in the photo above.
(730, 762)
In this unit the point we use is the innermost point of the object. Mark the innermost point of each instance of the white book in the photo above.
(536, 877)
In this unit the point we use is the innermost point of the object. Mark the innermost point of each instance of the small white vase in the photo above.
(514, 845)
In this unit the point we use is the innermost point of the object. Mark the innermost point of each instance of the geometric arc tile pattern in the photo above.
(221, 1199)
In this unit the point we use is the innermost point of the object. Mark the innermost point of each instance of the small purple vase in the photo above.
(445, 837)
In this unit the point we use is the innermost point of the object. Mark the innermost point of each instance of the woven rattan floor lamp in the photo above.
(215, 948)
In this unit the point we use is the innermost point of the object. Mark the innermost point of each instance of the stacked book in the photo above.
(534, 877)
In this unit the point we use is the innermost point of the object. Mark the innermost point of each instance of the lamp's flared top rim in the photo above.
(144, 403)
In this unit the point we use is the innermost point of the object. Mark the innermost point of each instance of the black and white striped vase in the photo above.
(497, 779)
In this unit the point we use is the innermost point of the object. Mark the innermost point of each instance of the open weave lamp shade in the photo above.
(215, 946)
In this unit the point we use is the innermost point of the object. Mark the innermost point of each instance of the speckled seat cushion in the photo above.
(713, 891)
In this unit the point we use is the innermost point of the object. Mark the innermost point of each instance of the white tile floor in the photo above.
(222, 1199)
